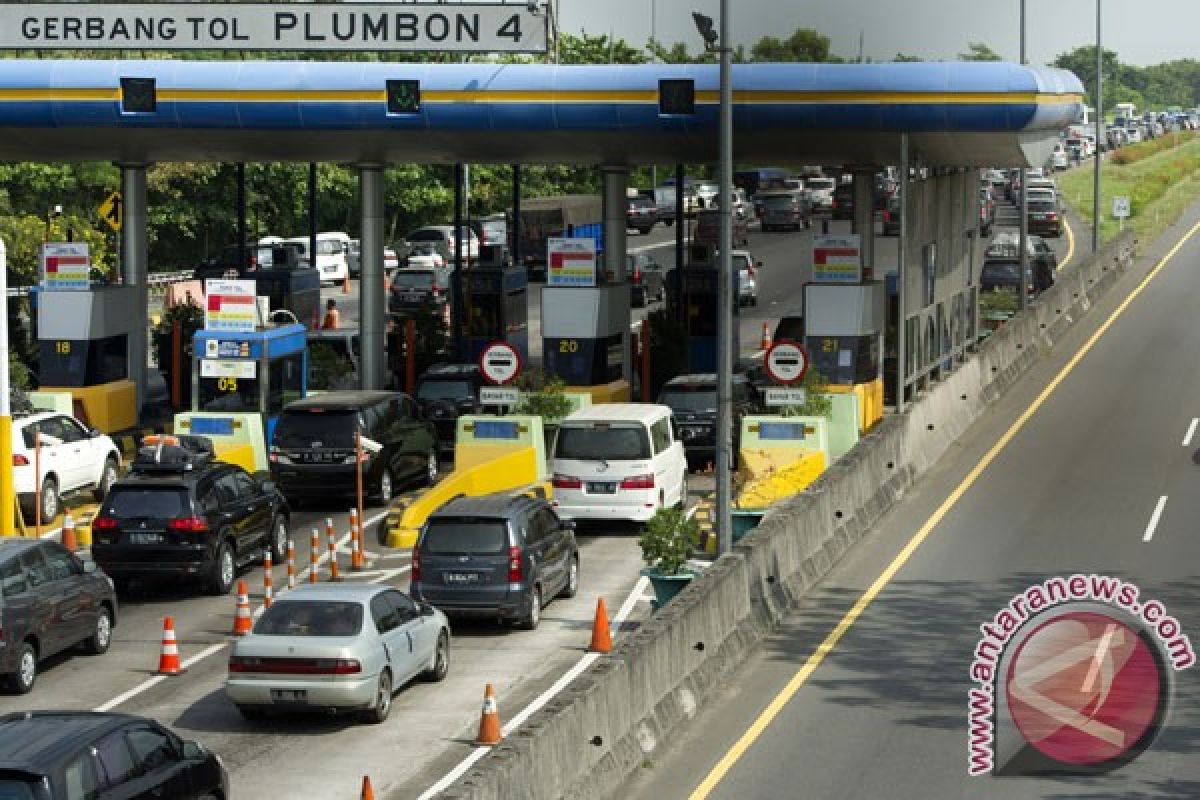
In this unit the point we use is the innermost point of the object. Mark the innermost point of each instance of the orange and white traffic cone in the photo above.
(241, 615)
(314, 557)
(367, 792)
(267, 587)
(68, 534)
(765, 342)
(291, 565)
(489, 723)
(334, 574)
(168, 660)
(601, 637)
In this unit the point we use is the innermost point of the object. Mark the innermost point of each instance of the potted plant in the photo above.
(666, 542)
(544, 397)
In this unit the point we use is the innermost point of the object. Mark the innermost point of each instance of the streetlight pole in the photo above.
(725, 355)
(1099, 133)
(1023, 243)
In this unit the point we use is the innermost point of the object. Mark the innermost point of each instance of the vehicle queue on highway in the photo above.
(178, 513)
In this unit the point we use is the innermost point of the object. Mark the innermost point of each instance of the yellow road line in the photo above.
(1070, 243)
(780, 700)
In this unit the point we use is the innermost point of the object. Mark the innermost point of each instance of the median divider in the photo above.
(657, 677)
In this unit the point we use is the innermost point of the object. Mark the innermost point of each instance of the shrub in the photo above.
(668, 539)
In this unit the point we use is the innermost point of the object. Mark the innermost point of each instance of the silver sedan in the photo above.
(337, 647)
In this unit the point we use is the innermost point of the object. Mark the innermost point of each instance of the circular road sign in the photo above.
(500, 363)
(786, 362)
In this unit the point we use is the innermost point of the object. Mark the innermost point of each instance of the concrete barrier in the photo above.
(595, 734)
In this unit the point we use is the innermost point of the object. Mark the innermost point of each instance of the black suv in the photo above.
(50, 601)
(843, 201)
(495, 556)
(693, 399)
(313, 448)
(445, 392)
(180, 514)
(415, 288)
(73, 755)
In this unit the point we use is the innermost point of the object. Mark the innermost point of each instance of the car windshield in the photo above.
(780, 201)
(465, 537)
(316, 428)
(151, 502)
(1041, 205)
(820, 183)
(311, 618)
(15, 789)
(1001, 272)
(602, 442)
(689, 399)
(413, 280)
(444, 390)
(328, 247)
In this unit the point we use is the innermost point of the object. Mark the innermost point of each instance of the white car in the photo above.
(73, 457)
(747, 272)
(443, 237)
(618, 461)
(820, 193)
(333, 254)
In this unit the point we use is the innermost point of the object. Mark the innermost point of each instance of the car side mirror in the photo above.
(193, 751)
(426, 610)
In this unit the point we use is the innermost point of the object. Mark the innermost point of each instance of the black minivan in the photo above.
(313, 448)
(500, 556)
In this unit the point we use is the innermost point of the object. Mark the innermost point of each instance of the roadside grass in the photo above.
(1160, 186)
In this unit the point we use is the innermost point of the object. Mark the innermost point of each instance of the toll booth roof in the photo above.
(956, 113)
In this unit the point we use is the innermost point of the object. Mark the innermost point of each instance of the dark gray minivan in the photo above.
(495, 556)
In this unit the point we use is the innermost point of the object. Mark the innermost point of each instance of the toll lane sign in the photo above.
(500, 363)
(570, 262)
(110, 211)
(230, 305)
(66, 266)
(837, 259)
(786, 362)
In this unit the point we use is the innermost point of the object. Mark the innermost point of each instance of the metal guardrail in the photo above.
(156, 279)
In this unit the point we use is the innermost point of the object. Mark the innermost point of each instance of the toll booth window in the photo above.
(229, 394)
(80, 362)
(286, 382)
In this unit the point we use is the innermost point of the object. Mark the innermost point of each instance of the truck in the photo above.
(543, 218)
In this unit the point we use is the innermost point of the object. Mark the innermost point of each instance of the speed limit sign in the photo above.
(500, 363)
(786, 362)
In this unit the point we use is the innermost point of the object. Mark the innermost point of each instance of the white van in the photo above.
(333, 254)
(618, 461)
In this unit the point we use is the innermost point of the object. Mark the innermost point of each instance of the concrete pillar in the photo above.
(370, 288)
(135, 266)
(616, 180)
(864, 216)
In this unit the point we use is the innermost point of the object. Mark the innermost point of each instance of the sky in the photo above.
(1142, 32)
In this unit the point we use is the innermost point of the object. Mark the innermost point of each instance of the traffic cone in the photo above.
(765, 342)
(601, 637)
(267, 593)
(358, 559)
(291, 565)
(334, 574)
(241, 616)
(168, 660)
(367, 792)
(314, 557)
(489, 723)
(68, 534)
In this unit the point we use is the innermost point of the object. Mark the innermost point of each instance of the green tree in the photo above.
(1082, 62)
(805, 44)
(586, 49)
(978, 51)
(903, 57)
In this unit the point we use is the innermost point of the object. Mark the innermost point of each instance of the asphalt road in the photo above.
(884, 713)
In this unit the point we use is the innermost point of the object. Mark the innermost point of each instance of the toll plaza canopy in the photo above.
(956, 113)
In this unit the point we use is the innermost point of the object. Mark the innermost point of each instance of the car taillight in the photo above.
(566, 482)
(414, 572)
(1051, 215)
(887, 215)
(273, 455)
(188, 524)
(104, 524)
(437, 292)
(638, 482)
(637, 275)
(514, 565)
(295, 666)
(20, 460)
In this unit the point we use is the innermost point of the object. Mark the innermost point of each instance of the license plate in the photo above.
(145, 538)
(413, 297)
(595, 487)
(289, 695)
(459, 578)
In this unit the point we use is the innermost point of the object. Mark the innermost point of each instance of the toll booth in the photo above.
(297, 290)
(498, 307)
(700, 299)
(843, 327)
(583, 338)
(249, 372)
(83, 342)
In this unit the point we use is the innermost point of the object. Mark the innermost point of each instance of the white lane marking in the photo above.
(574, 672)
(658, 246)
(1158, 509)
(1191, 431)
(150, 683)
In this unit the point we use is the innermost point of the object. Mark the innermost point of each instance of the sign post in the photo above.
(1121, 210)
(837, 258)
(66, 266)
(230, 305)
(786, 363)
(570, 262)
(499, 364)
(110, 211)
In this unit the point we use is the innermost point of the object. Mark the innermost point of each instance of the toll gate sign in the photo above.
(837, 259)
(570, 262)
(66, 266)
(230, 305)
(786, 362)
(500, 363)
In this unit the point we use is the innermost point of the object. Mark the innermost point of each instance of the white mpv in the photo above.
(620, 461)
